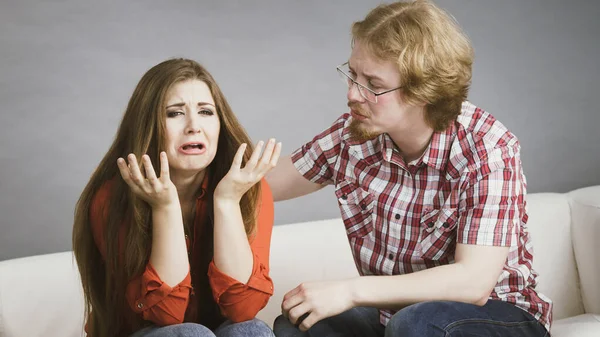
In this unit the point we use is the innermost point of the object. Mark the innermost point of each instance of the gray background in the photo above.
(67, 69)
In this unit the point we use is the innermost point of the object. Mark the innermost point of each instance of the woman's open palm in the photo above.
(156, 191)
(239, 180)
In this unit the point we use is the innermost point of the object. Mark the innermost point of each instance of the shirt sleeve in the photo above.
(146, 294)
(315, 159)
(156, 301)
(493, 204)
(238, 301)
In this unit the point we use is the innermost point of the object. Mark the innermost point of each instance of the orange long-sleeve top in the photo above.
(206, 295)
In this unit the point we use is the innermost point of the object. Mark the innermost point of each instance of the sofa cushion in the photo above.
(587, 325)
(553, 258)
(41, 296)
(310, 251)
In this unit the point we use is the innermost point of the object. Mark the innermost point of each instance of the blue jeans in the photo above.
(253, 327)
(430, 319)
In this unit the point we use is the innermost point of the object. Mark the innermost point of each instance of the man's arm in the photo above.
(287, 183)
(470, 279)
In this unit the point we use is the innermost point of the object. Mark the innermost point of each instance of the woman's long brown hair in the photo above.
(142, 131)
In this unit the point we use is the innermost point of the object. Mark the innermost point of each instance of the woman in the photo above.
(172, 232)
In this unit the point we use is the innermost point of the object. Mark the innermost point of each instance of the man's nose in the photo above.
(354, 93)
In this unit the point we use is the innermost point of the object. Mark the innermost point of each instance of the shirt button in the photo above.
(363, 206)
(391, 256)
(140, 305)
(430, 224)
(344, 197)
(446, 225)
(397, 216)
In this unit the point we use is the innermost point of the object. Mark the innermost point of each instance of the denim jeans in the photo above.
(253, 327)
(430, 319)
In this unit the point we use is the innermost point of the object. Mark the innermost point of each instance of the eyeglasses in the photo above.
(366, 93)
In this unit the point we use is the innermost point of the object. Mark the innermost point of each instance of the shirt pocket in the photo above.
(438, 233)
(356, 206)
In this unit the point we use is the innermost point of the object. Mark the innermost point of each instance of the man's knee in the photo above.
(284, 328)
(402, 322)
(415, 320)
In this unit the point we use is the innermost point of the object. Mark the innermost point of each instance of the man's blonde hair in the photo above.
(432, 53)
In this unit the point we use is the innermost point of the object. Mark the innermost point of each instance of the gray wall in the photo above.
(67, 69)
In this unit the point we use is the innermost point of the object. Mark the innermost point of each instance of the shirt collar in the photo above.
(435, 156)
(382, 147)
(438, 151)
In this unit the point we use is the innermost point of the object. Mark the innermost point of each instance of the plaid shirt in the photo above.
(468, 187)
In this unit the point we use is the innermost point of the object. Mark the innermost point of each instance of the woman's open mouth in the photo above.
(192, 148)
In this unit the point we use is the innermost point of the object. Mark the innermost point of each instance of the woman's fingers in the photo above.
(150, 174)
(124, 170)
(266, 156)
(134, 170)
(164, 166)
(239, 156)
(251, 164)
(132, 173)
(276, 154)
(270, 157)
(143, 180)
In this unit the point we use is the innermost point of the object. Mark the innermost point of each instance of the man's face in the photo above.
(389, 113)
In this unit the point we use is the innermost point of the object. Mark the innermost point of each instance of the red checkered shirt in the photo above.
(468, 187)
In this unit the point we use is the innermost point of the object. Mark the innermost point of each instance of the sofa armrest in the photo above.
(585, 214)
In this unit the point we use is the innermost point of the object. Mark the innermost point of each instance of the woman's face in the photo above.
(192, 127)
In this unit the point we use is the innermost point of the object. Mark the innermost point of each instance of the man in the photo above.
(431, 192)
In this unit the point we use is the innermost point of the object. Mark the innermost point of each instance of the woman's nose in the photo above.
(193, 125)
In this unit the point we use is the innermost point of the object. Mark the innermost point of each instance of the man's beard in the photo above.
(358, 131)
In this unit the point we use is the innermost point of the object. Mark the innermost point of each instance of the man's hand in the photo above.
(316, 301)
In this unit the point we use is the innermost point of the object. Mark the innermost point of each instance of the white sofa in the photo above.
(41, 296)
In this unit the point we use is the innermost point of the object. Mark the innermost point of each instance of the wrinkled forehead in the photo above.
(190, 92)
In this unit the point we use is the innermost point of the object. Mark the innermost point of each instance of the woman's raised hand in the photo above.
(156, 191)
(239, 180)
